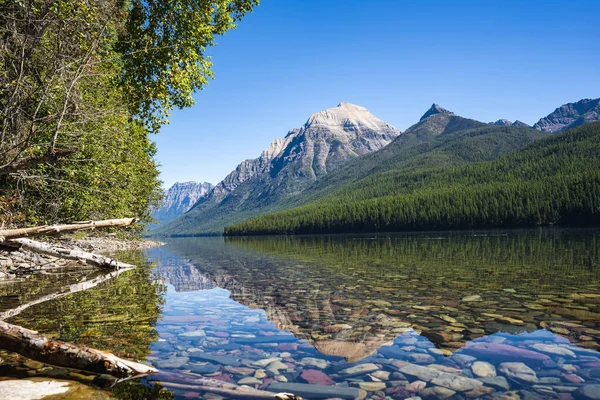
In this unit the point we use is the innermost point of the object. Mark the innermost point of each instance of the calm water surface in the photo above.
(503, 315)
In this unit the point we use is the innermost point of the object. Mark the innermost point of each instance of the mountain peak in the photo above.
(347, 105)
(501, 122)
(435, 109)
(343, 115)
(179, 198)
(570, 115)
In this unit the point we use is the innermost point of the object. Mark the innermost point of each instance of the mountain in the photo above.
(502, 122)
(439, 139)
(179, 198)
(435, 109)
(570, 115)
(555, 180)
(506, 122)
(288, 166)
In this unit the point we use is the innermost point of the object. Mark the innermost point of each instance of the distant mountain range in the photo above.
(346, 144)
(179, 198)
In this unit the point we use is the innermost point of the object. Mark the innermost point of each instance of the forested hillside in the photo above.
(439, 139)
(325, 142)
(83, 84)
(553, 181)
(425, 145)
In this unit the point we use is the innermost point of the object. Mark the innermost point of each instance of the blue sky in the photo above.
(482, 59)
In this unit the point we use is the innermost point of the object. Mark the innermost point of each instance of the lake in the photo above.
(503, 315)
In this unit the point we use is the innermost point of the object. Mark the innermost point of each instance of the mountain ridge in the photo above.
(520, 189)
(570, 115)
(326, 140)
(296, 169)
(179, 198)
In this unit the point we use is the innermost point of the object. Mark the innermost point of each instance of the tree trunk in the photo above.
(31, 344)
(234, 392)
(6, 234)
(96, 260)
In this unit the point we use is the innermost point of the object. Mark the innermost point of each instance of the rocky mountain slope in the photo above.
(554, 181)
(570, 115)
(327, 140)
(439, 139)
(345, 144)
(179, 198)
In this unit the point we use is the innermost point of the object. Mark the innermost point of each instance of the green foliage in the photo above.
(459, 141)
(82, 85)
(554, 181)
(164, 51)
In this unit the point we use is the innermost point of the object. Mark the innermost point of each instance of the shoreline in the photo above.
(15, 261)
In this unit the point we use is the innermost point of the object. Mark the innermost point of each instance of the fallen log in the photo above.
(31, 344)
(6, 234)
(96, 260)
(241, 393)
(62, 292)
(199, 383)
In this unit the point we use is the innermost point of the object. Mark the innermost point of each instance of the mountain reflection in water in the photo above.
(464, 316)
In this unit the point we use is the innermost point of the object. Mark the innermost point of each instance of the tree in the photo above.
(164, 51)
(82, 84)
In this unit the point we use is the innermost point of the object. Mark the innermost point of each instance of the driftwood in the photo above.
(207, 385)
(33, 345)
(38, 347)
(64, 291)
(6, 234)
(96, 260)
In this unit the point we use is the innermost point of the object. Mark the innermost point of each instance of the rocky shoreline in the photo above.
(18, 262)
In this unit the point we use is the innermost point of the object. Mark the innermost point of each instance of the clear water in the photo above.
(390, 316)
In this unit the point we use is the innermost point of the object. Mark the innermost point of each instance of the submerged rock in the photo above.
(456, 383)
(483, 369)
(498, 382)
(436, 392)
(518, 370)
(591, 392)
(360, 369)
(506, 351)
(317, 391)
(316, 377)
(172, 363)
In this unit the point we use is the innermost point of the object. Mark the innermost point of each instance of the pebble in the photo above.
(260, 374)
(478, 392)
(474, 297)
(371, 386)
(518, 370)
(264, 362)
(553, 349)
(315, 362)
(172, 363)
(416, 386)
(316, 377)
(383, 375)
(360, 369)
(456, 383)
(483, 369)
(436, 392)
(591, 392)
(249, 381)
